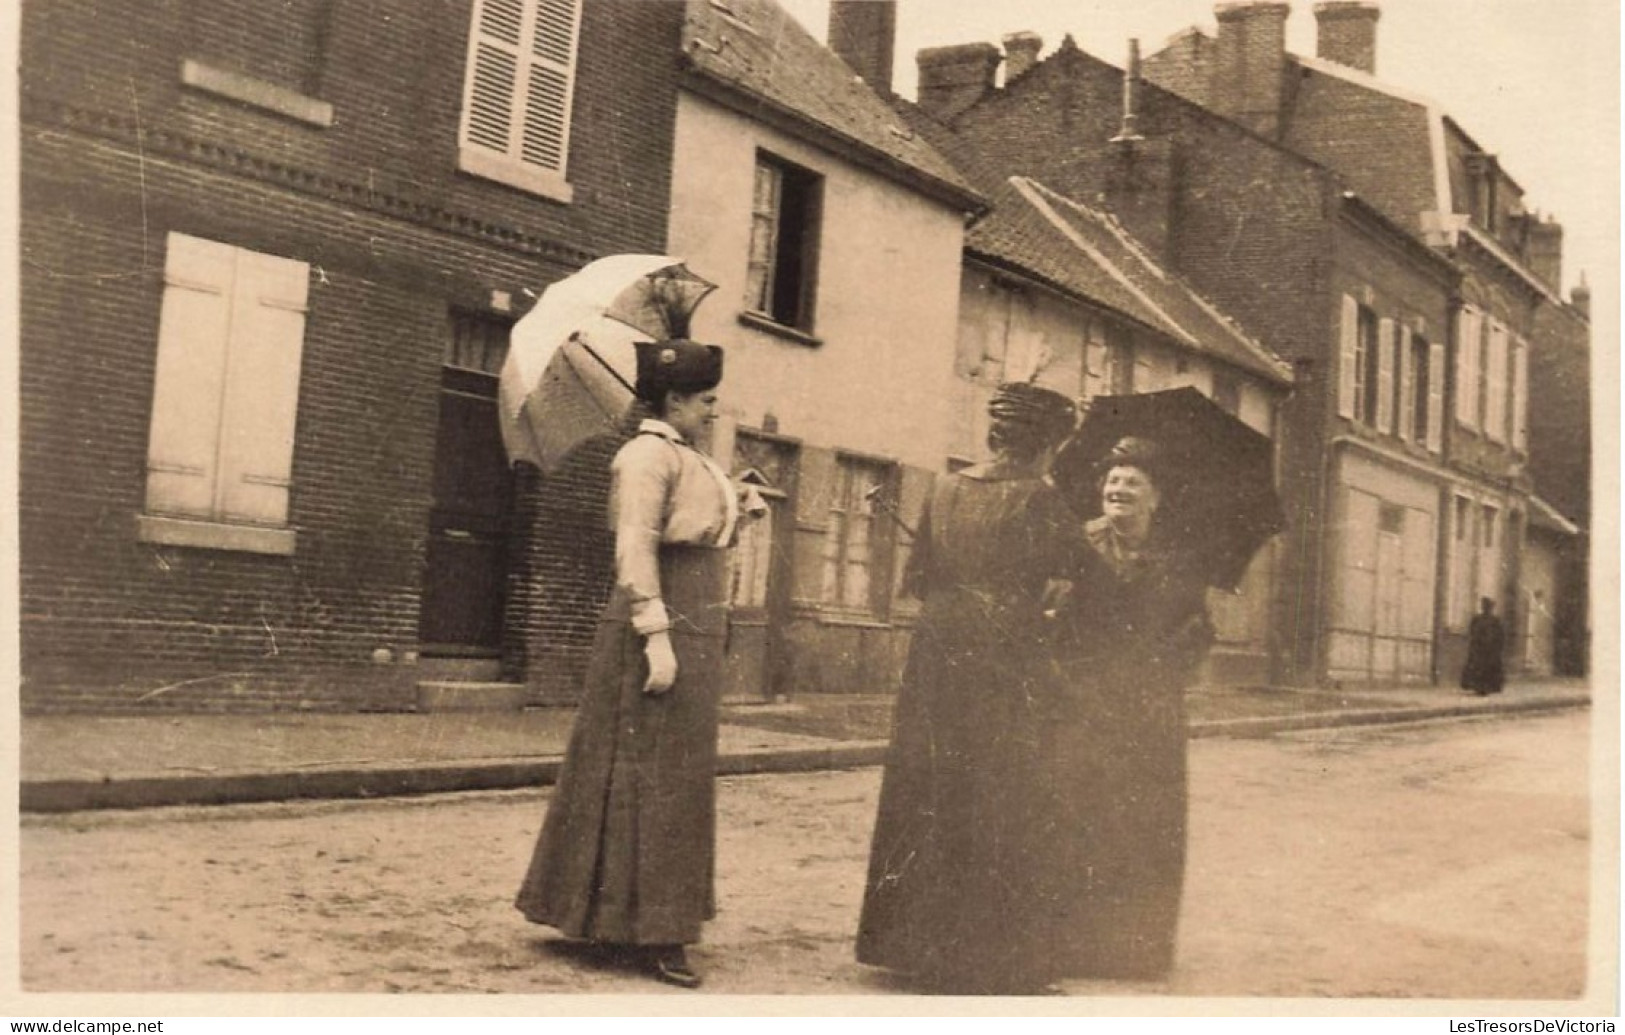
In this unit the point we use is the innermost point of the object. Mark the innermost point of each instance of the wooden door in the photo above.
(465, 579)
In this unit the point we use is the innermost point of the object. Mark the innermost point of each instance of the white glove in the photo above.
(662, 663)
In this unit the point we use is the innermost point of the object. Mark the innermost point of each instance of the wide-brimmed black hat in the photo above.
(676, 365)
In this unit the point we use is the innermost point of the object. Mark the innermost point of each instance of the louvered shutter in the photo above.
(1385, 375)
(1520, 394)
(1348, 366)
(1436, 368)
(1407, 387)
(1469, 334)
(521, 75)
(188, 390)
(262, 388)
(1495, 384)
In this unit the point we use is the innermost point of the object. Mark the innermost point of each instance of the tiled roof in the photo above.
(1089, 255)
(756, 49)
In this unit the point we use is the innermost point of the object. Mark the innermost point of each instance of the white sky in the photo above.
(1535, 81)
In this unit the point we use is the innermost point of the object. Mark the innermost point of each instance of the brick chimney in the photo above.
(1249, 63)
(1347, 33)
(1580, 297)
(863, 33)
(1020, 54)
(954, 78)
(1544, 252)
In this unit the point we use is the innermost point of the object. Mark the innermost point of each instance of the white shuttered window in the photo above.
(1348, 369)
(1407, 386)
(1435, 421)
(1387, 354)
(1469, 339)
(1495, 384)
(519, 87)
(1520, 394)
(226, 393)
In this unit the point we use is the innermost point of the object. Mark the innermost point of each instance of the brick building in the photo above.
(270, 255)
(1357, 301)
(1428, 176)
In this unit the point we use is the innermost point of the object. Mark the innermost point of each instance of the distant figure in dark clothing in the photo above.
(1484, 672)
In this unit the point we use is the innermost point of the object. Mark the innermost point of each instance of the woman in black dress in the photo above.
(950, 893)
(1133, 630)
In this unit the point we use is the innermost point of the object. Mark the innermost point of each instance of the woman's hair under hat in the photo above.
(676, 365)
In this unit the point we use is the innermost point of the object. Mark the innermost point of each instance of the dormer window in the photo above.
(1483, 179)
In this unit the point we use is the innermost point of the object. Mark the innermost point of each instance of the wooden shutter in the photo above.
(1349, 354)
(1436, 367)
(521, 75)
(262, 388)
(189, 383)
(1385, 375)
(1520, 394)
(1469, 336)
(1407, 387)
(1495, 383)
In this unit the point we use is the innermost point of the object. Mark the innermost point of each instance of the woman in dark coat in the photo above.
(1133, 630)
(949, 893)
(1485, 670)
(626, 853)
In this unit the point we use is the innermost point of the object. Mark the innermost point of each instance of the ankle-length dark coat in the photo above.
(951, 875)
(1113, 753)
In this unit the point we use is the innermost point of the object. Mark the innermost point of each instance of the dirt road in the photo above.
(1442, 861)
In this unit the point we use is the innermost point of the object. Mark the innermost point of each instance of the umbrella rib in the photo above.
(616, 374)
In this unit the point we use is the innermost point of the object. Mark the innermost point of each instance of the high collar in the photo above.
(656, 426)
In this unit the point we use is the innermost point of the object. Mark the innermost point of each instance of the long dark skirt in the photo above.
(1114, 775)
(627, 851)
(949, 896)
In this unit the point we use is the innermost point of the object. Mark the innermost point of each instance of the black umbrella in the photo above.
(1217, 480)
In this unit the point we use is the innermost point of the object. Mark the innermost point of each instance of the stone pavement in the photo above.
(70, 762)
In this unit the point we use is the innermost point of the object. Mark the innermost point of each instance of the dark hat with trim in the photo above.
(1027, 416)
(1132, 451)
(676, 365)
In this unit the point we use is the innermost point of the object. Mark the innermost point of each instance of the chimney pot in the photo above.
(1347, 33)
(1580, 297)
(1020, 54)
(863, 33)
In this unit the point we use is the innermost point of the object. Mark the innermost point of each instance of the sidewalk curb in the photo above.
(53, 796)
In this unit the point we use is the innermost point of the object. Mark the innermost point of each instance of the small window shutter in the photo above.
(188, 389)
(1495, 384)
(521, 76)
(1436, 364)
(1385, 375)
(1407, 387)
(1520, 394)
(1347, 368)
(262, 388)
(1470, 331)
(546, 139)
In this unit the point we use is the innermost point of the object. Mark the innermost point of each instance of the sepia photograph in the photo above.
(1071, 508)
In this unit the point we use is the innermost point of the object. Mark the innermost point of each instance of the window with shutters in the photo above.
(1469, 347)
(1417, 394)
(518, 91)
(1520, 394)
(1495, 383)
(782, 267)
(225, 397)
(1382, 412)
(857, 578)
(1368, 362)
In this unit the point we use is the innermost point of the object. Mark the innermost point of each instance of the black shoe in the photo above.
(669, 963)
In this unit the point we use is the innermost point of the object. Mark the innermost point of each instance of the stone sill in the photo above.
(510, 173)
(257, 93)
(763, 322)
(214, 535)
